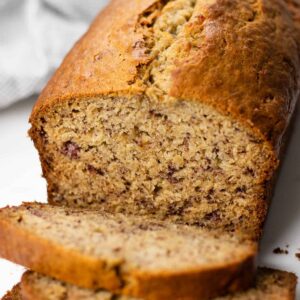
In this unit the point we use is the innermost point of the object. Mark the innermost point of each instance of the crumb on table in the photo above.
(278, 250)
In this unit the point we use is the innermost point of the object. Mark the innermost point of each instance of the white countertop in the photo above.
(20, 180)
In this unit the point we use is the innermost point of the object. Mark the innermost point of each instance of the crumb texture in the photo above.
(270, 285)
(175, 160)
(240, 56)
(36, 286)
(176, 111)
(15, 294)
(133, 243)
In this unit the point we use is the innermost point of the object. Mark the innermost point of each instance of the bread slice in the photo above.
(38, 287)
(15, 294)
(129, 255)
(174, 109)
(270, 285)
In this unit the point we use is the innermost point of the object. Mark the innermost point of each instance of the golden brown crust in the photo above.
(281, 279)
(47, 258)
(245, 63)
(243, 59)
(294, 8)
(71, 266)
(204, 292)
(197, 285)
(101, 62)
(13, 294)
(270, 285)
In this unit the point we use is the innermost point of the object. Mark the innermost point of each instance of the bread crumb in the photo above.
(278, 250)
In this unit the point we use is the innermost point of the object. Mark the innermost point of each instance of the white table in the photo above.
(20, 180)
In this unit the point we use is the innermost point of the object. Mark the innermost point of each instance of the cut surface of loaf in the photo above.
(270, 285)
(35, 286)
(129, 255)
(174, 109)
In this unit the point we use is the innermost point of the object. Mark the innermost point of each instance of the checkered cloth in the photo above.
(34, 37)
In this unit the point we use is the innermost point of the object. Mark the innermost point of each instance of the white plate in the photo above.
(20, 180)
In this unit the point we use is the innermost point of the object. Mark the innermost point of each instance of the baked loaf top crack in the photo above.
(241, 57)
(173, 109)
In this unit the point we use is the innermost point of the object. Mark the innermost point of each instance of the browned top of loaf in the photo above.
(239, 56)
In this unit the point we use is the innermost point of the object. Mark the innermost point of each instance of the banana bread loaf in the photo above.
(131, 255)
(270, 285)
(173, 109)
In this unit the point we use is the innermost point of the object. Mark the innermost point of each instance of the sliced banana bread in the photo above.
(270, 285)
(15, 294)
(129, 255)
(174, 109)
(38, 287)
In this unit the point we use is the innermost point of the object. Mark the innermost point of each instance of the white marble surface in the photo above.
(20, 180)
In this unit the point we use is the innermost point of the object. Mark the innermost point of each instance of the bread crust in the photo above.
(101, 62)
(48, 258)
(246, 63)
(14, 293)
(270, 284)
(243, 61)
(283, 283)
(289, 281)
(247, 68)
(27, 290)
(45, 257)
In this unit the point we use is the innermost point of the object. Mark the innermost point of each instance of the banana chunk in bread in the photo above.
(270, 285)
(129, 255)
(175, 109)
